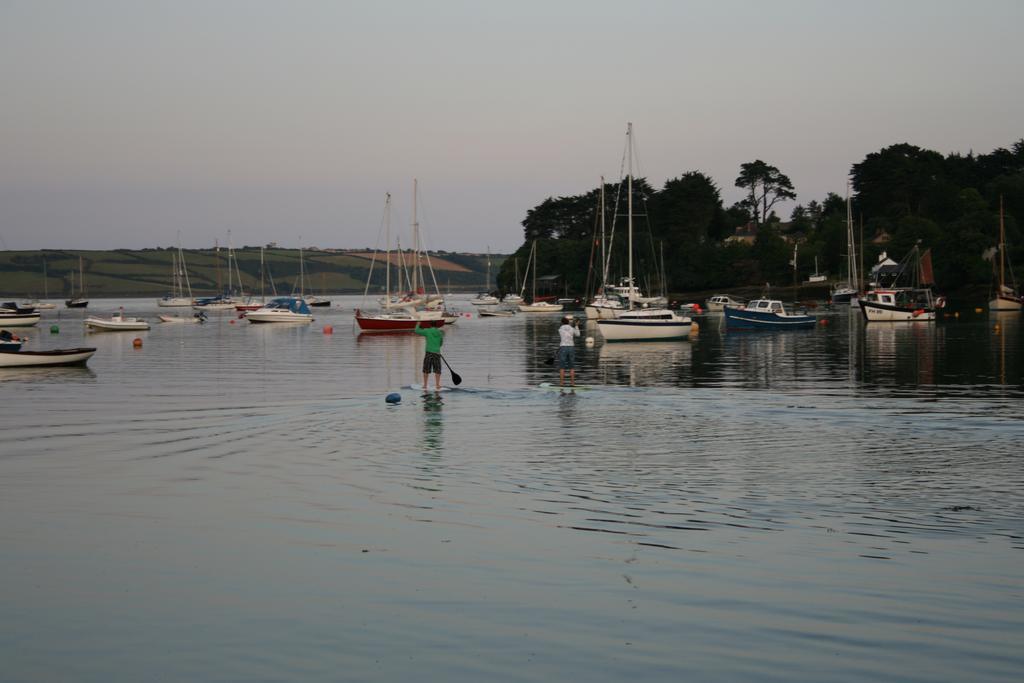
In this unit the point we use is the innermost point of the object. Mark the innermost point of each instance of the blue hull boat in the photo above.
(766, 314)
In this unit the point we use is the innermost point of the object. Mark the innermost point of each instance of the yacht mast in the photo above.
(629, 205)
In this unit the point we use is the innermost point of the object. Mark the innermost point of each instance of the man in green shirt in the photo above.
(431, 330)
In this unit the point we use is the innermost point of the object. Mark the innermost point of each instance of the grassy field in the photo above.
(146, 272)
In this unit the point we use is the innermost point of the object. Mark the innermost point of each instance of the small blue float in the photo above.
(393, 398)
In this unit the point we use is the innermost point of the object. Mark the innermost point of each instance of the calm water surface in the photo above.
(235, 502)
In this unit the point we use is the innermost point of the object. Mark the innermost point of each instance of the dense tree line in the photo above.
(900, 195)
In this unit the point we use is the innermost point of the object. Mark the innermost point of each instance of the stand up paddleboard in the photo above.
(549, 385)
(431, 387)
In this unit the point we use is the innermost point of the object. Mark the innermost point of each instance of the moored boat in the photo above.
(13, 315)
(766, 314)
(55, 357)
(9, 341)
(718, 302)
(116, 322)
(288, 309)
(893, 302)
(1007, 297)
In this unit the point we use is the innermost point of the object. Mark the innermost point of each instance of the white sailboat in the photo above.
(605, 304)
(1007, 297)
(641, 324)
(485, 298)
(36, 303)
(535, 306)
(178, 298)
(846, 293)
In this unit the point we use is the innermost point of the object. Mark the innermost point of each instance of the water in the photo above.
(235, 502)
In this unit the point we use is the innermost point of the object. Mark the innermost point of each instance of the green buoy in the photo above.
(54, 329)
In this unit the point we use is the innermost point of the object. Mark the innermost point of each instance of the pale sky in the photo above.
(125, 122)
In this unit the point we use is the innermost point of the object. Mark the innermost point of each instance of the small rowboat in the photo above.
(56, 357)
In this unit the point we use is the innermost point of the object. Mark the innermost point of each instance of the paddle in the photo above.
(456, 377)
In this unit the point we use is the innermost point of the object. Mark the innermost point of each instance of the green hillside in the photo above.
(147, 272)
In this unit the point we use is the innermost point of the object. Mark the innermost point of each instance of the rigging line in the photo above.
(373, 259)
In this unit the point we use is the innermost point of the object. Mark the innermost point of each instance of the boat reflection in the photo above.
(644, 364)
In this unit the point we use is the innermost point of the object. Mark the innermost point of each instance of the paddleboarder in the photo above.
(431, 331)
(567, 334)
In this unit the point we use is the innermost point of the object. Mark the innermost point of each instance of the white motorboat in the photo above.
(718, 302)
(540, 307)
(485, 299)
(39, 305)
(288, 309)
(56, 357)
(197, 318)
(495, 313)
(603, 306)
(117, 322)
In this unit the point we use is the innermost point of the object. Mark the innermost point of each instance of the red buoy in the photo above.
(328, 329)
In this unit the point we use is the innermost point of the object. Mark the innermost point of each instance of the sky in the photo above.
(129, 124)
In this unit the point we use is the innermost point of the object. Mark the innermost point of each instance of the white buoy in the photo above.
(589, 341)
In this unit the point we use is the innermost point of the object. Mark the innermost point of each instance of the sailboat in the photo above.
(604, 304)
(643, 324)
(846, 293)
(179, 283)
(1007, 297)
(78, 301)
(535, 306)
(221, 301)
(399, 315)
(36, 303)
(912, 302)
(485, 298)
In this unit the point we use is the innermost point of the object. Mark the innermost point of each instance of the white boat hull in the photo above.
(643, 330)
(602, 312)
(174, 302)
(277, 317)
(1005, 304)
(540, 308)
(179, 319)
(18, 319)
(27, 359)
(874, 313)
(116, 323)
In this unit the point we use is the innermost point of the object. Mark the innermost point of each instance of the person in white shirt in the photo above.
(567, 334)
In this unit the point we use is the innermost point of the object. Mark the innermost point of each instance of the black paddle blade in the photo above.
(550, 361)
(456, 377)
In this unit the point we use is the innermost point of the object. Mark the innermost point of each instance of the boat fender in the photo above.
(919, 311)
(137, 343)
(393, 398)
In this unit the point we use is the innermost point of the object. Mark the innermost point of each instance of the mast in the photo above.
(629, 205)
(216, 262)
(487, 285)
(387, 251)
(416, 268)
(851, 257)
(46, 294)
(604, 256)
(302, 272)
(1002, 247)
(263, 289)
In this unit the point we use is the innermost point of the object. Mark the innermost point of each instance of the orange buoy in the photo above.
(328, 329)
(137, 343)
(977, 310)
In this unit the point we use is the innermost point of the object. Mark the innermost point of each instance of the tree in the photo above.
(766, 185)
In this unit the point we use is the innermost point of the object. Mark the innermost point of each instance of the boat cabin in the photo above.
(766, 306)
(901, 298)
